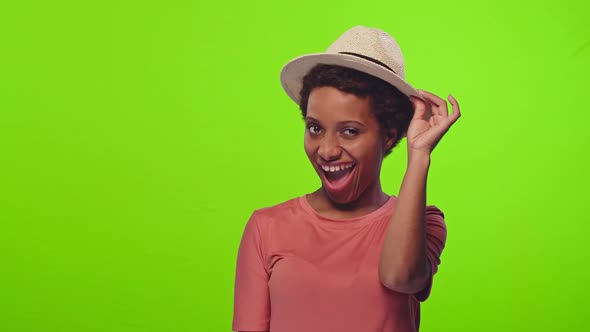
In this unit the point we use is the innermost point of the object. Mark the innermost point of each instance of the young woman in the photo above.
(349, 257)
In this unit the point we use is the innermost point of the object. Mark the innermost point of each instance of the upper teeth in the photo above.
(337, 167)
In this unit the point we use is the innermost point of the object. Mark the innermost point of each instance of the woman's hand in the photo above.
(423, 135)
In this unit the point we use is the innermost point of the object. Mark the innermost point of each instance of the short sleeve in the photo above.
(251, 293)
(436, 237)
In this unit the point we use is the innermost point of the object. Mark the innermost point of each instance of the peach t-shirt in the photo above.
(298, 271)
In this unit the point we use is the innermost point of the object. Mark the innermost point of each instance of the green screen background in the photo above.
(136, 138)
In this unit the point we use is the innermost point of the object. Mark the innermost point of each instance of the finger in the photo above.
(456, 109)
(419, 107)
(429, 107)
(427, 104)
(440, 104)
(436, 100)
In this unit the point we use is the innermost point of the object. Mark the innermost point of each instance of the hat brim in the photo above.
(293, 72)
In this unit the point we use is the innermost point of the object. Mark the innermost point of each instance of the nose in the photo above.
(329, 148)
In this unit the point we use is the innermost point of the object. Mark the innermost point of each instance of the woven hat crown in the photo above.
(371, 43)
(369, 50)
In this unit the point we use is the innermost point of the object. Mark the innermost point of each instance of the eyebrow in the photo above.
(309, 118)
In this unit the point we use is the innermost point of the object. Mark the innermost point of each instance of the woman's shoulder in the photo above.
(282, 209)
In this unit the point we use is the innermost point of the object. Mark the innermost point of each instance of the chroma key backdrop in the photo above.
(137, 137)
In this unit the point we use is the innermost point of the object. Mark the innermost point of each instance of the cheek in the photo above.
(366, 151)
(308, 146)
(371, 163)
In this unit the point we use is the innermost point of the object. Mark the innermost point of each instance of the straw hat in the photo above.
(368, 50)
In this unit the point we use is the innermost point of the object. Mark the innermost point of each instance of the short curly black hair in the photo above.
(392, 108)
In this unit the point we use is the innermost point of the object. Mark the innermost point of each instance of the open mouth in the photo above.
(338, 176)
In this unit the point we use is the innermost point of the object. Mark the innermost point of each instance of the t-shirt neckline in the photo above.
(349, 222)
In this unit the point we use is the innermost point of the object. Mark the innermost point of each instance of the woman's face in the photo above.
(343, 143)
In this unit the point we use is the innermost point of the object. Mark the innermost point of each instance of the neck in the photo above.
(370, 200)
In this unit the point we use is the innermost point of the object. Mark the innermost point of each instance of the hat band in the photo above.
(370, 59)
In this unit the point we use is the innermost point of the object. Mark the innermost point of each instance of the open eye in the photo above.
(350, 132)
(313, 128)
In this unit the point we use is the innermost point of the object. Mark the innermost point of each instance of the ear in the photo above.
(389, 138)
